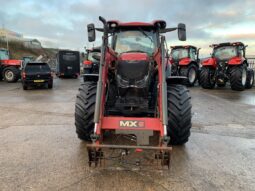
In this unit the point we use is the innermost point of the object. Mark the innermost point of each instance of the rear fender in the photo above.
(184, 61)
(236, 61)
(210, 62)
(15, 63)
(90, 77)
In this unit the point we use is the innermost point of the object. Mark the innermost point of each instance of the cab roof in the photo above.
(154, 24)
(227, 44)
(184, 46)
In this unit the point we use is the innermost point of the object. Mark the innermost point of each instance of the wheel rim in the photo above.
(9, 75)
(192, 75)
(244, 76)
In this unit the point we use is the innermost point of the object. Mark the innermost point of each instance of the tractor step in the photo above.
(129, 155)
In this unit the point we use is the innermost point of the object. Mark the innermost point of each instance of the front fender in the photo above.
(210, 62)
(236, 61)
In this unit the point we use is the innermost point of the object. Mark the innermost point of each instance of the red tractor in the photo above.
(131, 106)
(228, 63)
(184, 61)
(9, 69)
(91, 62)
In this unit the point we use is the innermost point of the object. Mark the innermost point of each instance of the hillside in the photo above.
(18, 50)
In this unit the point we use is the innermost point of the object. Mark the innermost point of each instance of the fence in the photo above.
(251, 61)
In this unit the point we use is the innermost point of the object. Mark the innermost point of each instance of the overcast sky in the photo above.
(62, 24)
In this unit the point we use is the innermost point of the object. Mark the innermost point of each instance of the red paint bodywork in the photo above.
(11, 62)
(112, 122)
(184, 61)
(236, 60)
(134, 56)
(210, 62)
(87, 62)
(136, 24)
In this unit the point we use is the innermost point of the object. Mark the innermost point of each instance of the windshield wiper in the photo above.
(146, 35)
(134, 51)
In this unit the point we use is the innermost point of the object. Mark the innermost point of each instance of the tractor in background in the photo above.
(9, 69)
(91, 62)
(228, 63)
(184, 61)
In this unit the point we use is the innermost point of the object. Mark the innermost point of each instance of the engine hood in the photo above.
(134, 56)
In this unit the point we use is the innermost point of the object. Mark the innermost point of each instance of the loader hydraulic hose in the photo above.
(100, 78)
(99, 86)
(164, 86)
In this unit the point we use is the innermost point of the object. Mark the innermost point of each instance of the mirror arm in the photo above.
(99, 29)
(167, 30)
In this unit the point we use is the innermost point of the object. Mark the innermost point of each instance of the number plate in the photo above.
(38, 81)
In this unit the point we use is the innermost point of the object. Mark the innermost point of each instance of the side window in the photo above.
(192, 53)
(240, 51)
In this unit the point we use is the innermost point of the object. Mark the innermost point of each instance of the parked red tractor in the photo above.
(131, 106)
(228, 63)
(9, 69)
(184, 61)
(91, 62)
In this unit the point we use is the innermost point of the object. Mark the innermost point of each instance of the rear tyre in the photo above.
(250, 79)
(191, 72)
(207, 79)
(179, 114)
(84, 110)
(238, 76)
(11, 74)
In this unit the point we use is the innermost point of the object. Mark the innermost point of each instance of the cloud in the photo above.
(62, 23)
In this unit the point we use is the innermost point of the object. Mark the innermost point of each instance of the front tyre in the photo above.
(191, 72)
(179, 114)
(238, 76)
(84, 110)
(207, 78)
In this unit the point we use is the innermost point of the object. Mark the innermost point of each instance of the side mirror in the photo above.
(91, 32)
(181, 31)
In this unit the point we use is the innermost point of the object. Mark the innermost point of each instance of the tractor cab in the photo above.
(134, 45)
(181, 52)
(4, 54)
(91, 62)
(227, 51)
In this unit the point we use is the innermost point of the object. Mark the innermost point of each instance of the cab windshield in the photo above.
(179, 53)
(136, 41)
(4, 55)
(225, 52)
